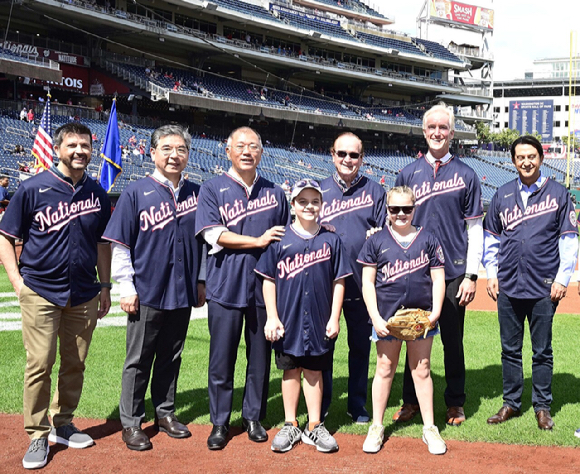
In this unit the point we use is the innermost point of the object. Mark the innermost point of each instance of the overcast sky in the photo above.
(525, 30)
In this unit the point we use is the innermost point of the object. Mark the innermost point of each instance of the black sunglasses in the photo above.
(396, 209)
(342, 154)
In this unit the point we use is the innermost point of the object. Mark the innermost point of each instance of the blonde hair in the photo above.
(404, 190)
(440, 107)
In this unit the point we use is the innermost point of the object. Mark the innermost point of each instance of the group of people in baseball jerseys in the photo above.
(352, 249)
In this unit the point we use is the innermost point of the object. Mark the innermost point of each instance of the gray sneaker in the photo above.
(70, 436)
(37, 454)
(286, 438)
(321, 438)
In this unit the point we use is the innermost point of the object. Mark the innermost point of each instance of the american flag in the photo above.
(42, 148)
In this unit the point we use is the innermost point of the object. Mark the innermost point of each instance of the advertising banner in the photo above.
(447, 10)
(36, 52)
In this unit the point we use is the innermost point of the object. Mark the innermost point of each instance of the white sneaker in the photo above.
(374, 440)
(433, 440)
(577, 433)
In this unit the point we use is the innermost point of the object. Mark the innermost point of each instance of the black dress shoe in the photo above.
(218, 437)
(136, 439)
(256, 431)
(170, 425)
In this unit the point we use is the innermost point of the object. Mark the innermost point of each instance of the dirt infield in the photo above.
(399, 455)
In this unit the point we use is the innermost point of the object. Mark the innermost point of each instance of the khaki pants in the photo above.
(42, 323)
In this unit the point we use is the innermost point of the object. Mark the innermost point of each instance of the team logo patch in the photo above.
(439, 253)
(573, 219)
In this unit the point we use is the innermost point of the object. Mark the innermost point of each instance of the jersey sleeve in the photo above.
(473, 206)
(17, 216)
(368, 253)
(106, 212)
(436, 256)
(123, 227)
(266, 266)
(492, 222)
(208, 212)
(340, 264)
(400, 179)
(567, 217)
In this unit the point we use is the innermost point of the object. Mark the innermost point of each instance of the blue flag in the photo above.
(112, 165)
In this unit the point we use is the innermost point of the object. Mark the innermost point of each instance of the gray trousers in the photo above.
(155, 338)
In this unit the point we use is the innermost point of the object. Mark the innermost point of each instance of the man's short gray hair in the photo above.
(245, 130)
(168, 130)
(440, 107)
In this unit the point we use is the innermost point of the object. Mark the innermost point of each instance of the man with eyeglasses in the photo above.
(156, 261)
(448, 203)
(352, 204)
(531, 246)
(240, 214)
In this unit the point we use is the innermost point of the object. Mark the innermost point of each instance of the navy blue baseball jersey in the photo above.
(223, 201)
(443, 204)
(304, 271)
(352, 212)
(529, 258)
(157, 228)
(3, 196)
(403, 273)
(60, 226)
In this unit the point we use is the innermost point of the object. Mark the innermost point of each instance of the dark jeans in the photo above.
(451, 325)
(512, 313)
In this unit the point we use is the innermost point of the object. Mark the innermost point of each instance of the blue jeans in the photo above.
(512, 313)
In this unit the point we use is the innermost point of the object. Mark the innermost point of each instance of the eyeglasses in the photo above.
(179, 150)
(253, 147)
(396, 209)
(353, 155)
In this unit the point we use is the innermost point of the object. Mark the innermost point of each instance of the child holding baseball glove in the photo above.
(403, 267)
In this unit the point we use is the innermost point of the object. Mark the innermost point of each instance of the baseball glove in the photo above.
(409, 324)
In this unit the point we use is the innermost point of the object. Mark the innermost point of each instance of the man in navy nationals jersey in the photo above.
(531, 246)
(4, 196)
(448, 203)
(153, 222)
(303, 290)
(352, 204)
(239, 215)
(60, 215)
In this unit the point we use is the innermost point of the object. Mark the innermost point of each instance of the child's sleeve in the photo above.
(266, 266)
(368, 254)
(436, 256)
(341, 266)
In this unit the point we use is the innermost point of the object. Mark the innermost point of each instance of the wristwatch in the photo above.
(106, 285)
(471, 276)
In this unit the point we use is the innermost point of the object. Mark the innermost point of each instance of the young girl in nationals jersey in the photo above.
(403, 266)
(303, 291)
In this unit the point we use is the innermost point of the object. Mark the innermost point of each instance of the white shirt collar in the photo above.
(163, 180)
(239, 179)
(432, 160)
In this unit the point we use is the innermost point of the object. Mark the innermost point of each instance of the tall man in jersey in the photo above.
(448, 204)
(531, 245)
(152, 224)
(352, 204)
(239, 215)
(60, 215)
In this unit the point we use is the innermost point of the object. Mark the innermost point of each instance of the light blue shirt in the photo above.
(567, 244)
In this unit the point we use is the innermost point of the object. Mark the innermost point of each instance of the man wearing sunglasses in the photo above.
(448, 203)
(352, 204)
(240, 214)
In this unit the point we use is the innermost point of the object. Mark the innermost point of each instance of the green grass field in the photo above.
(482, 346)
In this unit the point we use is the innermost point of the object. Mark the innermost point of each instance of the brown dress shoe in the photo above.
(406, 412)
(136, 439)
(545, 421)
(455, 416)
(170, 425)
(504, 414)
